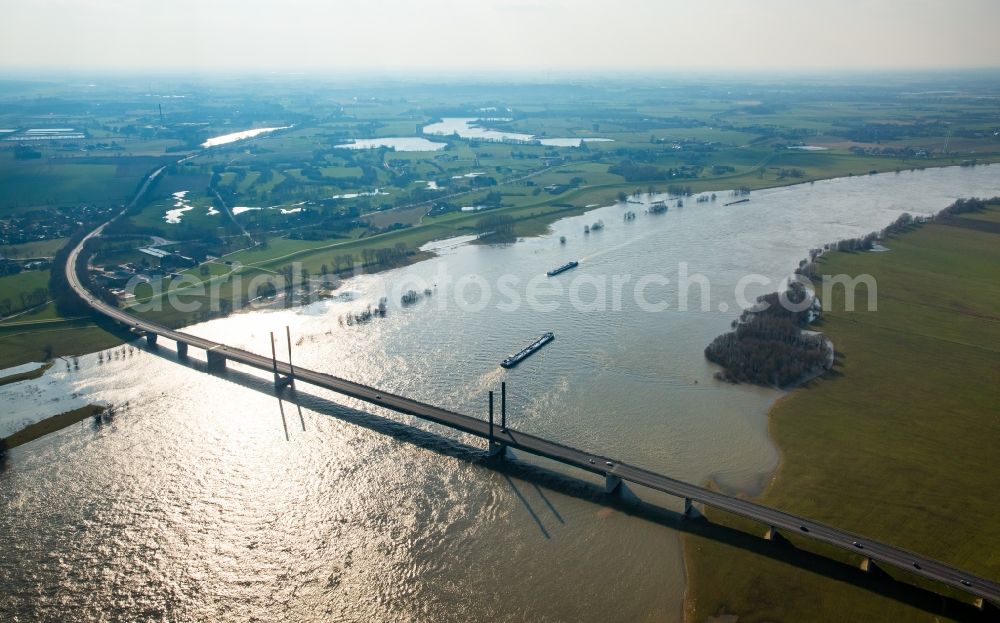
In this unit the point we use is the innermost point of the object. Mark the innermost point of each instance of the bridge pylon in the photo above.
(494, 449)
(281, 382)
(503, 405)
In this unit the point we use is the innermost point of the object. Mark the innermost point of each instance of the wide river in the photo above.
(191, 505)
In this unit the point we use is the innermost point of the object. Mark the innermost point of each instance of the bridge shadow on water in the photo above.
(537, 475)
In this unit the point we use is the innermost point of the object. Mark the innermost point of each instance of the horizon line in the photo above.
(537, 71)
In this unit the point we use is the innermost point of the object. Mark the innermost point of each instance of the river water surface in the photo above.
(191, 505)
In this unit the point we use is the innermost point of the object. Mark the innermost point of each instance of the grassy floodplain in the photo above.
(39, 249)
(29, 184)
(34, 329)
(898, 443)
(24, 342)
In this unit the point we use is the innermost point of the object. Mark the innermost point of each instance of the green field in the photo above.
(51, 182)
(40, 248)
(39, 332)
(16, 291)
(897, 444)
(22, 344)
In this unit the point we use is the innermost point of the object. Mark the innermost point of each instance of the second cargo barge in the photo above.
(563, 268)
(528, 351)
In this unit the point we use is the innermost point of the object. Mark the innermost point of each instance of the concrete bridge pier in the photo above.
(216, 361)
(151, 339)
(496, 451)
(690, 512)
(612, 484)
(988, 607)
(869, 566)
(776, 537)
(182, 350)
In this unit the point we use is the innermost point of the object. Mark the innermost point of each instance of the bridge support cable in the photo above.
(291, 369)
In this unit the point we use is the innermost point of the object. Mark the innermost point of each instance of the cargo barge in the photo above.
(563, 268)
(528, 351)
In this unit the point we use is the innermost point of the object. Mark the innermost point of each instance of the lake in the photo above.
(232, 137)
(399, 143)
(470, 127)
(181, 205)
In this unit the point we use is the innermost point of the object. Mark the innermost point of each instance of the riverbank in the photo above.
(914, 381)
(50, 425)
(16, 374)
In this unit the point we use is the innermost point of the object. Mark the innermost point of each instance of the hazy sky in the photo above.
(500, 34)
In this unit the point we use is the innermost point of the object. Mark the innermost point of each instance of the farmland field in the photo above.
(29, 184)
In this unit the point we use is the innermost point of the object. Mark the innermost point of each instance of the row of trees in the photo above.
(385, 256)
(367, 314)
(340, 263)
(498, 226)
(68, 303)
(965, 206)
(767, 345)
(633, 172)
